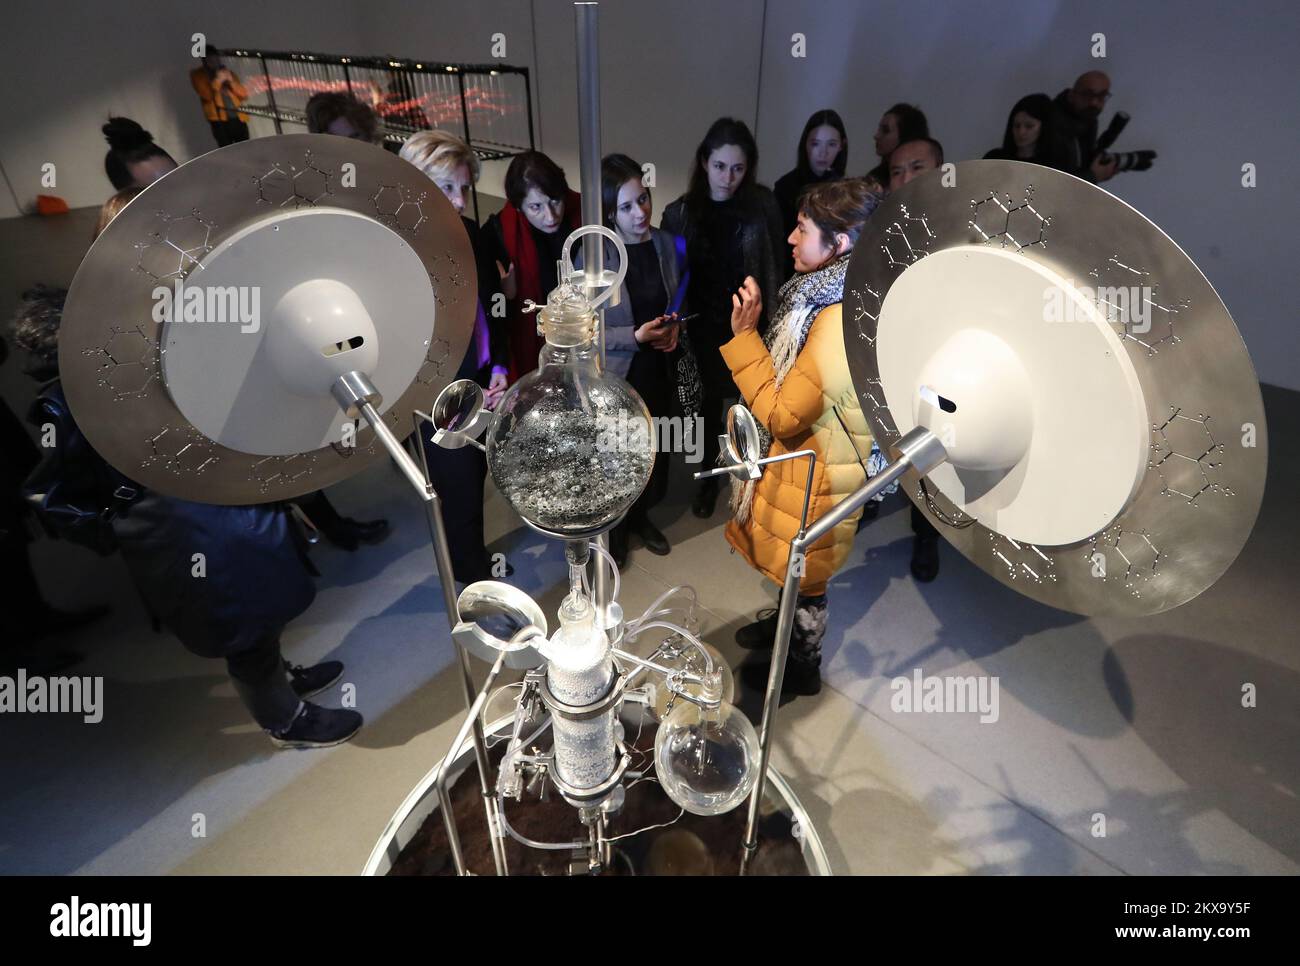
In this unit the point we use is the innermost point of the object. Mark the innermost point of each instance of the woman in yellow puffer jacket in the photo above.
(794, 379)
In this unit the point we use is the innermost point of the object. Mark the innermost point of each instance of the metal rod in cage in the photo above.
(464, 123)
(270, 97)
(528, 106)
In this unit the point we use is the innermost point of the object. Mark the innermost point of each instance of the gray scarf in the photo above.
(798, 303)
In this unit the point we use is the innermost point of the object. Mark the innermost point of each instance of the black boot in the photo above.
(803, 663)
(925, 547)
(347, 533)
(653, 538)
(618, 544)
(925, 557)
(761, 633)
(343, 532)
(802, 677)
(706, 498)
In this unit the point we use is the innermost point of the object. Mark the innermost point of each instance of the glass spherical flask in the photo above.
(706, 760)
(570, 446)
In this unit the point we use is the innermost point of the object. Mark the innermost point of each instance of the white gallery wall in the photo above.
(67, 66)
(668, 69)
(1210, 85)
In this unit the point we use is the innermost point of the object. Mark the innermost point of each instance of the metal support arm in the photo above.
(920, 450)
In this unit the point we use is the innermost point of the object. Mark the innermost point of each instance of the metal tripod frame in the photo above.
(919, 450)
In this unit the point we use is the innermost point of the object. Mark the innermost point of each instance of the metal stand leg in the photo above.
(920, 450)
(442, 556)
(357, 396)
(473, 720)
(780, 649)
(446, 577)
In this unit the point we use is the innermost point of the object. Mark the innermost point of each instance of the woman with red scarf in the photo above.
(527, 238)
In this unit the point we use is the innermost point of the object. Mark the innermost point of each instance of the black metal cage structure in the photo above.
(489, 105)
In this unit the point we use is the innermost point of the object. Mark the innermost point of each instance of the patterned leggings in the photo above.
(810, 616)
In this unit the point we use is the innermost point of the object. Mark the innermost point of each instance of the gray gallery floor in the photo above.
(1131, 726)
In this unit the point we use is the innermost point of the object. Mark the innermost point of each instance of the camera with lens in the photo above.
(1124, 160)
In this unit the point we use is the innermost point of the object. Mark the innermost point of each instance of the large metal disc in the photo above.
(1172, 522)
(343, 210)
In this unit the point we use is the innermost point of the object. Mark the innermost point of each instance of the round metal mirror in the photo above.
(457, 405)
(742, 435)
(492, 615)
(458, 415)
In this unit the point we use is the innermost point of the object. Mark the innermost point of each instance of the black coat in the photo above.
(1078, 137)
(256, 576)
(489, 285)
(18, 457)
(761, 240)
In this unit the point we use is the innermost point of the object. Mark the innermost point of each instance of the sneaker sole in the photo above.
(284, 743)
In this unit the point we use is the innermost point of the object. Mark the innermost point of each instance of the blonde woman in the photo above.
(459, 474)
(452, 165)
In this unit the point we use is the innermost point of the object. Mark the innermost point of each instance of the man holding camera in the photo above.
(1086, 154)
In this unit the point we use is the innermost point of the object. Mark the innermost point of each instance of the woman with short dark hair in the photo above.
(794, 378)
(133, 160)
(526, 239)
